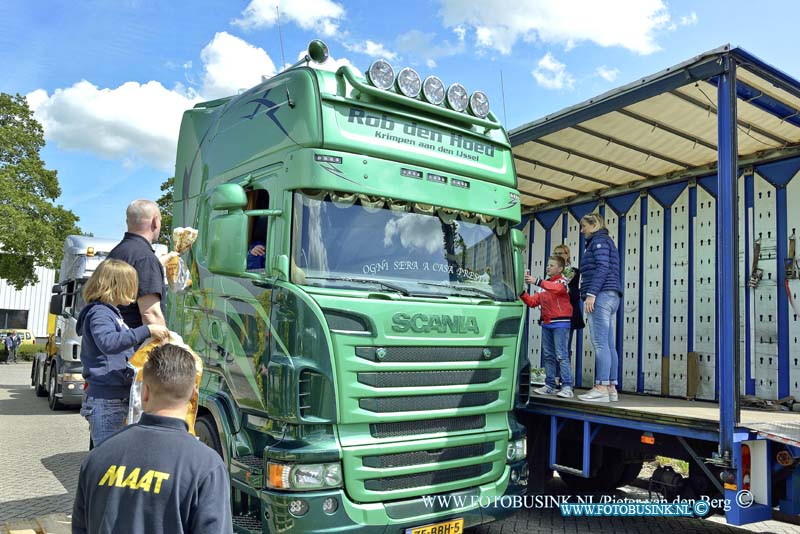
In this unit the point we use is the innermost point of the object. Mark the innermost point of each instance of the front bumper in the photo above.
(71, 393)
(475, 506)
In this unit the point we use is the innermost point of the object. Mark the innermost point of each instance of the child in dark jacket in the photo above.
(106, 345)
(556, 321)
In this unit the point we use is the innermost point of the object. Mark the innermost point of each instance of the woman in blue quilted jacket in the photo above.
(601, 292)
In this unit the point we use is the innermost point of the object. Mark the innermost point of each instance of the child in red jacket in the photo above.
(556, 320)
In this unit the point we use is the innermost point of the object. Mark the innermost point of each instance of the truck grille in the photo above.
(428, 402)
(429, 354)
(431, 478)
(405, 459)
(430, 426)
(428, 378)
(448, 391)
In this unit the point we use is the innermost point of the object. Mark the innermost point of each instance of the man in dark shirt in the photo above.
(144, 225)
(154, 477)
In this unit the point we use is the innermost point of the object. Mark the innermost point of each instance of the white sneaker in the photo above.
(594, 395)
(613, 396)
(545, 390)
(566, 393)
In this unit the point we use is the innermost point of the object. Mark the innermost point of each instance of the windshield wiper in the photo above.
(461, 286)
(388, 285)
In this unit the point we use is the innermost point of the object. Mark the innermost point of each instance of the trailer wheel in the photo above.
(630, 473)
(206, 430)
(38, 380)
(55, 404)
(607, 476)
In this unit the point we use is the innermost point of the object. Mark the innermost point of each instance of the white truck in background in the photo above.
(57, 374)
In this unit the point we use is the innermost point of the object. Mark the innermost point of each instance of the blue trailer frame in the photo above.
(719, 68)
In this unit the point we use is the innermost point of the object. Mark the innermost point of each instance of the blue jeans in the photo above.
(106, 417)
(601, 330)
(555, 353)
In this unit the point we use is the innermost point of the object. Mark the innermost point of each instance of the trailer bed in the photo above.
(643, 410)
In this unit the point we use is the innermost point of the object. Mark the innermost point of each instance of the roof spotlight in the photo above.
(433, 90)
(457, 97)
(409, 82)
(479, 104)
(381, 74)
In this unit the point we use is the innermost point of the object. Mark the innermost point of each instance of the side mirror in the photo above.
(57, 290)
(227, 243)
(227, 231)
(56, 304)
(518, 245)
(228, 197)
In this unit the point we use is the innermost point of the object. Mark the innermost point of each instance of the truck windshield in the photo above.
(355, 241)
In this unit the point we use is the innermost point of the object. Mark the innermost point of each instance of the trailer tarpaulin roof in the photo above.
(654, 130)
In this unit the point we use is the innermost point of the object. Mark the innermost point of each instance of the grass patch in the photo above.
(679, 466)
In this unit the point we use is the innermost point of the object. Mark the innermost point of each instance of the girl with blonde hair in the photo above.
(106, 346)
(601, 291)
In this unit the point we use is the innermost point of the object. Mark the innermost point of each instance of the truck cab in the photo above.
(354, 299)
(57, 373)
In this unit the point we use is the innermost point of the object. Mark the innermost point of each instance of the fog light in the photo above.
(330, 505)
(298, 507)
(517, 450)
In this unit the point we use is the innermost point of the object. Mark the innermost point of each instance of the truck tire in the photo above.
(52, 384)
(206, 430)
(38, 380)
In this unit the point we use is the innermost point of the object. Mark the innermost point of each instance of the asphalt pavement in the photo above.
(41, 452)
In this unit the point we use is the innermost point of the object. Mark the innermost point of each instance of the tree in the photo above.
(32, 227)
(165, 205)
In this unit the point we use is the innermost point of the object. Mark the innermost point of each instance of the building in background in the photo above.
(27, 308)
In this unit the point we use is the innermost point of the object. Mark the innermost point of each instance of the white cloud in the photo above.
(133, 122)
(232, 64)
(331, 65)
(690, 20)
(371, 49)
(139, 122)
(606, 73)
(552, 74)
(319, 15)
(428, 47)
(499, 24)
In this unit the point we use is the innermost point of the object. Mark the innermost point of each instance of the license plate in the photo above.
(456, 526)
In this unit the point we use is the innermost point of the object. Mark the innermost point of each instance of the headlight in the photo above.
(479, 104)
(517, 450)
(381, 74)
(304, 477)
(433, 90)
(409, 82)
(457, 97)
(73, 377)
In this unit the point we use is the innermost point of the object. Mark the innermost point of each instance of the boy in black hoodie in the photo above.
(106, 345)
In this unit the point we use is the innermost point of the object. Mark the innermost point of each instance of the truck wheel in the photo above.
(206, 430)
(55, 404)
(38, 380)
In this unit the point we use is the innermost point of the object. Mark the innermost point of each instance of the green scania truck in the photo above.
(354, 298)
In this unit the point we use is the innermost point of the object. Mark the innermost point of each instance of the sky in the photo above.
(110, 79)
